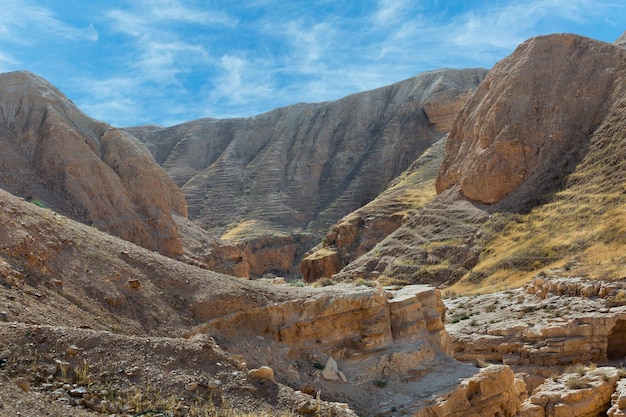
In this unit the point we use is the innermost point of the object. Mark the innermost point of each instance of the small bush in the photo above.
(576, 382)
(577, 368)
(380, 383)
(324, 282)
(39, 203)
(364, 282)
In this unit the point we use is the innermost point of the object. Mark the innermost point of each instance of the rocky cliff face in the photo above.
(305, 166)
(531, 120)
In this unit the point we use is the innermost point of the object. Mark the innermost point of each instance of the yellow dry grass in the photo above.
(582, 230)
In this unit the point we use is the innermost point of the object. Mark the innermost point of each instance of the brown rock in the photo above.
(264, 372)
(23, 384)
(491, 392)
(530, 121)
(82, 168)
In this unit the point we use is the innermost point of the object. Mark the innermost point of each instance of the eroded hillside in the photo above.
(56, 156)
(275, 181)
(531, 179)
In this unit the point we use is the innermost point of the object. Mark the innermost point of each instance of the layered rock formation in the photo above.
(586, 393)
(541, 329)
(305, 166)
(55, 156)
(492, 392)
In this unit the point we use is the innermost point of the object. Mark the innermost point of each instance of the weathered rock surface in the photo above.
(305, 166)
(492, 392)
(618, 400)
(52, 153)
(361, 230)
(583, 394)
(541, 329)
(359, 343)
(531, 120)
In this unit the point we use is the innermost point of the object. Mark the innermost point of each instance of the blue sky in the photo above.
(131, 62)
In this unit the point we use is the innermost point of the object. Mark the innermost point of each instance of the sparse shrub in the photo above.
(380, 383)
(39, 203)
(450, 294)
(458, 317)
(324, 282)
(481, 363)
(298, 283)
(364, 282)
(576, 382)
(577, 368)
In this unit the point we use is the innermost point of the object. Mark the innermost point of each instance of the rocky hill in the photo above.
(93, 324)
(57, 157)
(272, 181)
(532, 149)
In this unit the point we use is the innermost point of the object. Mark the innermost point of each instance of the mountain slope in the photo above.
(300, 168)
(53, 154)
(531, 177)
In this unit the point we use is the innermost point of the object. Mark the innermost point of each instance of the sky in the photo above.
(135, 62)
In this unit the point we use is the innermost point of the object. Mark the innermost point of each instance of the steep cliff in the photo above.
(305, 166)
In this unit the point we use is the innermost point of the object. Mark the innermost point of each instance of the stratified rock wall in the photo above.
(307, 165)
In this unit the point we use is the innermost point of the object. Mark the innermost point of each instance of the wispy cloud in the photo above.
(162, 61)
(21, 20)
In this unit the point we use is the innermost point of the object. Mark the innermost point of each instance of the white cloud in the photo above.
(19, 20)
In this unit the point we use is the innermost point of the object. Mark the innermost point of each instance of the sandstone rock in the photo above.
(23, 383)
(192, 386)
(72, 350)
(618, 400)
(492, 392)
(134, 283)
(513, 132)
(574, 395)
(82, 168)
(264, 372)
(331, 371)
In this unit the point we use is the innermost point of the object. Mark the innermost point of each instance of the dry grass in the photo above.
(585, 221)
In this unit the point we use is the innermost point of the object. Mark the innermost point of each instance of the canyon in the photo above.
(471, 257)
